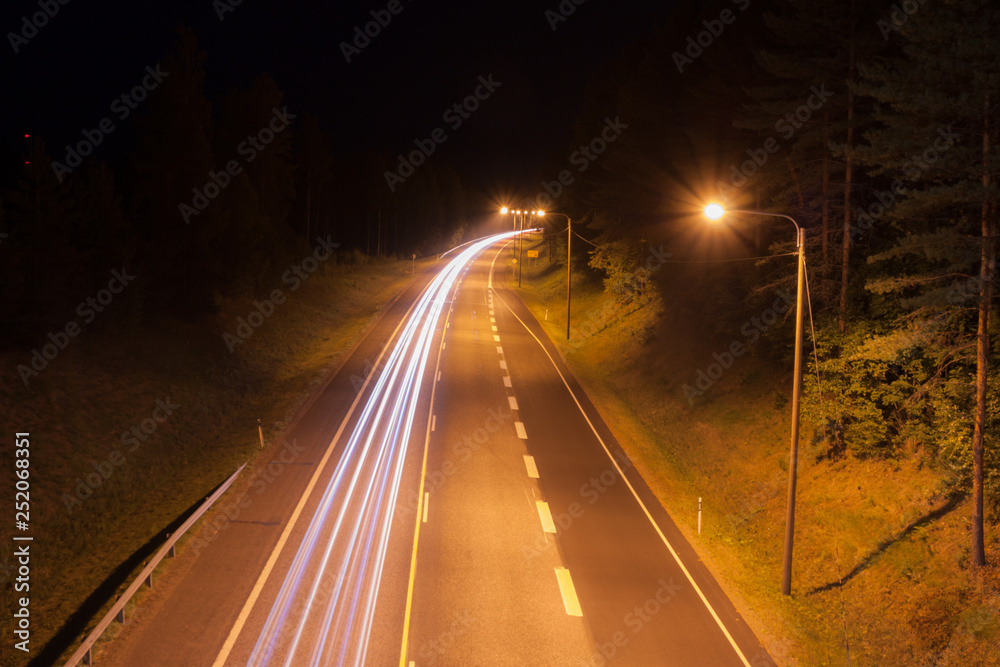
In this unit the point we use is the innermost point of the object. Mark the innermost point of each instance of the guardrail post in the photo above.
(149, 580)
(86, 657)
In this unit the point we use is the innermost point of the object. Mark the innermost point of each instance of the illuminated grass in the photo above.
(910, 601)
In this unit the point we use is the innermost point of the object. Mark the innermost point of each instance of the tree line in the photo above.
(211, 197)
(873, 125)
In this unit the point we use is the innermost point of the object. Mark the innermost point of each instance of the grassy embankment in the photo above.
(107, 381)
(906, 597)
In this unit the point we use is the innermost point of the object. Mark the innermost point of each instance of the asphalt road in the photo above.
(521, 534)
(191, 613)
(487, 589)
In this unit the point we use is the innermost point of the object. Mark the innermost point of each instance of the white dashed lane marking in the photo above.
(570, 601)
(529, 463)
(548, 525)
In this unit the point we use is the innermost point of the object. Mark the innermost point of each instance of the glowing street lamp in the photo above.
(715, 212)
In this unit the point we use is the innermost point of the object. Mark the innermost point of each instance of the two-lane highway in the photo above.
(542, 545)
(465, 506)
(477, 601)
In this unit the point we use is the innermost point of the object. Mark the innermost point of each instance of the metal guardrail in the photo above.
(117, 612)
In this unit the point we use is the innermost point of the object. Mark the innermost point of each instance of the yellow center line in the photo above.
(420, 513)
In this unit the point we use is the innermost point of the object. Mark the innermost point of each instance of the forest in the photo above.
(873, 125)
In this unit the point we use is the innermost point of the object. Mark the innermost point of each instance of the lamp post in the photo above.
(520, 244)
(520, 249)
(569, 274)
(516, 214)
(714, 212)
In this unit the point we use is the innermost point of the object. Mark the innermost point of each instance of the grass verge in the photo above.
(881, 547)
(129, 429)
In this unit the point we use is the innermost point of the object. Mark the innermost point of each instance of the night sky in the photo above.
(394, 91)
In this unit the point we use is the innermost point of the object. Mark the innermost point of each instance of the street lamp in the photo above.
(569, 275)
(715, 212)
(520, 247)
(515, 214)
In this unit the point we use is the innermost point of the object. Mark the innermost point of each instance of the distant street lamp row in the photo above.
(569, 245)
(519, 216)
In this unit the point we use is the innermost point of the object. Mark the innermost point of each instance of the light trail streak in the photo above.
(324, 611)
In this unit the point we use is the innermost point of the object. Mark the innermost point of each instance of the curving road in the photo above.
(450, 498)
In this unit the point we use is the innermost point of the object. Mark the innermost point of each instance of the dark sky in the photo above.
(394, 91)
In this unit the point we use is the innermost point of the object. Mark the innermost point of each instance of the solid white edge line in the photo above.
(621, 473)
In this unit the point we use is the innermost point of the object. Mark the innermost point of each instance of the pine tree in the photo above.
(39, 214)
(813, 177)
(939, 117)
(251, 129)
(175, 217)
(315, 178)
